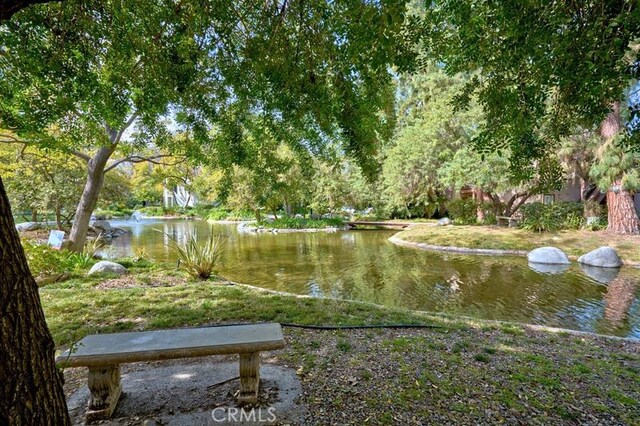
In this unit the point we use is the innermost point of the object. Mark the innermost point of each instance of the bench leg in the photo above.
(104, 384)
(249, 378)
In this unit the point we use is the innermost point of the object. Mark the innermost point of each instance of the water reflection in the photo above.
(363, 265)
(545, 268)
(601, 275)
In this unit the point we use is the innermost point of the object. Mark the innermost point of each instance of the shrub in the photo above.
(200, 260)
(539, 217)
(489, 214)
(287, 222)
(462, 211)
(44, 261)
(241, 215)
(218, 214)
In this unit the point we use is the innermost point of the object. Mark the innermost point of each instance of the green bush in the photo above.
(489, 214)
(463, 211)
(539, 217)
(241, 215)
(287, 222)
(218, 214)
(44, 261)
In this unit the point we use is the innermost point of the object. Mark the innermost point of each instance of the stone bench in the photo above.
(103, 354)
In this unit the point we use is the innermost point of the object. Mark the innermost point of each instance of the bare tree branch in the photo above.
(81, 155)
(155, 159)
(128, 123)
(7, 138)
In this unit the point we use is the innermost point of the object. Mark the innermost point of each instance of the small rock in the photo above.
(603, 257)
(445, 221)
(548, 255)
(106, 267)
(27, 226)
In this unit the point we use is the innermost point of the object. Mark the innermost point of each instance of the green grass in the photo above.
(77, 307)
(573, 242)
(499, 369)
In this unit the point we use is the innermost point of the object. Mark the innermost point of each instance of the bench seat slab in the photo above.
(120, 348)
(104, 384)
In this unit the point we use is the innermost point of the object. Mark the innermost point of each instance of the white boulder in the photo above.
(603, 257)
(106, 267)
(28, 226)
(445, 221)
(548, 255)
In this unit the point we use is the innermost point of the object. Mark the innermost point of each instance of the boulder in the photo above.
(445, 221)
(603, 257)
(548, 255)
(28, 226)
(106, 267)
(101, 225)
(246, 227)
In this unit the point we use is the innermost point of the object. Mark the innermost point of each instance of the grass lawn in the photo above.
(574, 243)
(461, 372)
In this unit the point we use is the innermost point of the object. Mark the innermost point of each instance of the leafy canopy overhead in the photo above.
(539, 67)
(312, 70)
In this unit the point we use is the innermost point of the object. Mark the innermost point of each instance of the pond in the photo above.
(365, 266)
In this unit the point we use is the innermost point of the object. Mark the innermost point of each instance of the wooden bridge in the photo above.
(392, 225)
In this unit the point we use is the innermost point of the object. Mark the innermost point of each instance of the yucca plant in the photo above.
(200, 260)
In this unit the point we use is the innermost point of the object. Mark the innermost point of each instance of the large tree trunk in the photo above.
(89, 198)
(30, 384)
(622, 215)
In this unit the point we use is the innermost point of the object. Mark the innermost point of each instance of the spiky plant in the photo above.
(199, 259)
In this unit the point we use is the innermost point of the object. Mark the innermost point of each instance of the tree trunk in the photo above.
(622, 215)
(30, 384)
(478, 194)
(89, 198)
(58, 216)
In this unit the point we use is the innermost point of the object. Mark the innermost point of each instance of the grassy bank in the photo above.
(461, 371)
(574, 243)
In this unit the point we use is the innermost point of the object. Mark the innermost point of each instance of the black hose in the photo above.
(333, 327)
(355, 327)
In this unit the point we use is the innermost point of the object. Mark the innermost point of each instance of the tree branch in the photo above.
(128, 123)
(9, 7)
(6, 138)
(81, 155)
(140, 159)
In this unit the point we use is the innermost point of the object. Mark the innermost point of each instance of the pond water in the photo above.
(365, 266)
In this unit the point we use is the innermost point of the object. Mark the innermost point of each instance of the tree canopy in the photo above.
(539, 68)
